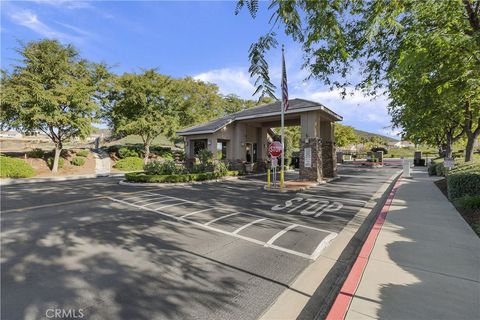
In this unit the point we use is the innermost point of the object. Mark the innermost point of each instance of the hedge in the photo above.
(173, 178)
(78, 161)
(36, 153)
(15, 168)
(464, 180)
(61, 162)
(83, 153)
(129, 164)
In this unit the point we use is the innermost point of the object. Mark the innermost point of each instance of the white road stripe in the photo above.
(149, 199)
(164, 195)
(248, 225)
(170, 205)
(280, 233)
(222, 217)
(328, 197)
(300, 254)
(269, 244)
(156, 201)
(322, 245)
(195, 212)
(139, 196)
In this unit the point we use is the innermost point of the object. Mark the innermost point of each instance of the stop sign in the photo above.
(275, 149)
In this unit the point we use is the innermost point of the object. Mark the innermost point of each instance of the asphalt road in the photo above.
(208, 251)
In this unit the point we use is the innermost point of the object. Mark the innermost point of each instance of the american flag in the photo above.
(284, 84)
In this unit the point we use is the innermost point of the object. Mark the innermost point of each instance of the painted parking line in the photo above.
(332, 198)
(138, 196)
(248, 225)
(270, 243)
(170, 205)
(152, 200)
(280, 233)
(222, 217)
(195, 212)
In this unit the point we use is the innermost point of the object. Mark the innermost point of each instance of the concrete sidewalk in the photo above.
(425, 263)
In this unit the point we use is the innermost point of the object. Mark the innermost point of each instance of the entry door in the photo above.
(248, 152)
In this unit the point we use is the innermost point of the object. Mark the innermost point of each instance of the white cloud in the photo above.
(230, 80)
(355, 107)
(30, 20)
(396, 133)
(69, 4)
(357, 110)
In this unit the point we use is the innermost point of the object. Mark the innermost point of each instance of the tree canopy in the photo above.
(386, 42)
(53, 91)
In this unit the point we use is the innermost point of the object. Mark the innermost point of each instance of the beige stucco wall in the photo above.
(239, 133)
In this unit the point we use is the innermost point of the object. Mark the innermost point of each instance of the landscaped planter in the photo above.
(141, 177)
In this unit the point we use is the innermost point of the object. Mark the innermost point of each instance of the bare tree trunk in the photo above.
(448, 145)
(469, 149)
(146, 147)
(56, 159)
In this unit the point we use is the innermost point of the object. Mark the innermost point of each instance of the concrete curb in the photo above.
(312, 293)
(6, 182)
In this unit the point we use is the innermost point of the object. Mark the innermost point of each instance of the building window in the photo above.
(222, 150)
(199, 145)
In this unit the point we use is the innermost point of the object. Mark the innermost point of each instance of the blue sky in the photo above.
(203, 39)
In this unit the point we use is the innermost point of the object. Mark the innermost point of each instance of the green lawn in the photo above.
(134, 139)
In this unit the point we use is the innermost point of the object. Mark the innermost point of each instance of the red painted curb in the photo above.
(349, 287)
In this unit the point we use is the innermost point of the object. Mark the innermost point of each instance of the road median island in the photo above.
(142, 178)
(312, 293)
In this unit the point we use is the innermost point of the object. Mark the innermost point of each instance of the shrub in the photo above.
(125, 152)
(179, 155)
(168, 156)
(78, 161)
(161, 168)
(113, 149)
(220, 167)
(385, 151)
(61, 162)
(175, 178)
(432, 170)
(469, 202)
(15, 168)
(36, 153)
(197, 168)
(440, 169)
(83, 153)
(129, 164)
(464, 180)
(205, 156)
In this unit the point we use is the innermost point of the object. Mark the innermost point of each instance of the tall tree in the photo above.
(371, 36)
(54, 91)
(142, 104)
(345, 135)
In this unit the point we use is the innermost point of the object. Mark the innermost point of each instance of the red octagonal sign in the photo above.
(275, 149)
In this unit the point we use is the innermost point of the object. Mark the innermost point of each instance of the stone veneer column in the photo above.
(329, 165)
(314, 172)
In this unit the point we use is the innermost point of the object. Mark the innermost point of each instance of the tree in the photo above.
(142, 104)
(53, 91)
(371, 36)
(345, 135)
(196, 101)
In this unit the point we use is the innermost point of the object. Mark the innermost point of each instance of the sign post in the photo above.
(276, 150)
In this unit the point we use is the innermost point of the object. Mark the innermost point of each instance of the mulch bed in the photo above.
(472, 217)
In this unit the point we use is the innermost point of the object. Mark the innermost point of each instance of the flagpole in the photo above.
(282, 129)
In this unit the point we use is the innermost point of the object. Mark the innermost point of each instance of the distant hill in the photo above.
(361, 133)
